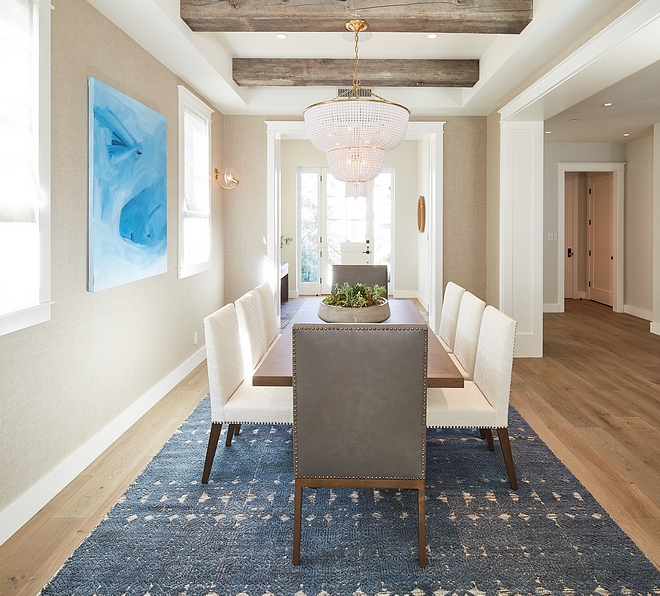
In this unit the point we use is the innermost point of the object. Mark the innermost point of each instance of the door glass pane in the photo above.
(383, 220)
(346, 220)
(309, 227)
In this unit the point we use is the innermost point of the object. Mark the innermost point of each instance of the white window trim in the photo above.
(192, 102)
(40, 313)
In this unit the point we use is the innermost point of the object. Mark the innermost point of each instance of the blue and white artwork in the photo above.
(127, 189)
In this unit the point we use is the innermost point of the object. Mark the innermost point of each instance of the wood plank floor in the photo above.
(594, 399)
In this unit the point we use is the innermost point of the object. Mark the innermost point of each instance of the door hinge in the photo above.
(589, 253)
(589, 191)
(589, 222)
(321, 253)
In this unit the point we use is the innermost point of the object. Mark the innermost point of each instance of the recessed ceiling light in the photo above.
(573, 120)
(548, 132)
(608, 104)
(432, 35)
(626, 134)
(281, 36)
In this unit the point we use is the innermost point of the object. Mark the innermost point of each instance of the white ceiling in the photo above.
(507, 62)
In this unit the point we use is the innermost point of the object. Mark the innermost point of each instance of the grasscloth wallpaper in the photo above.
(63, 381)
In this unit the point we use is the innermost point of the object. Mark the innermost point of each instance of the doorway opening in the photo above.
(338, 230)
(590, 238)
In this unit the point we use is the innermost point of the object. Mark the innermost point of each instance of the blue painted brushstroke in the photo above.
(128, 189)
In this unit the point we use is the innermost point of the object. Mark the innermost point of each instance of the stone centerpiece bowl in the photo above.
(348, 314)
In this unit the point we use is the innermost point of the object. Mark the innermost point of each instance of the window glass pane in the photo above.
(309, 227)
(19, 156)
(382, 219)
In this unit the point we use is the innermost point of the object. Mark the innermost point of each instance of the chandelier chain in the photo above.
(356, 80)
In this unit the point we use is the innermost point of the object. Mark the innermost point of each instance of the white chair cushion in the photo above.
(224, 359)
(253, 333)
(259, 405)
(459, 408)
(492, 369)
(467, 332)
(269, 312)
(449, 315)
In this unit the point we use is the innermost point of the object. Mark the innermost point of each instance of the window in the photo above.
(194, 184)
(24, 164)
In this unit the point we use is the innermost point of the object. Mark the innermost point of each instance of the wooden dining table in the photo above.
(275, 368)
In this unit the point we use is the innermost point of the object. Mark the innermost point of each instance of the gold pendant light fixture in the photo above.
(356, 128)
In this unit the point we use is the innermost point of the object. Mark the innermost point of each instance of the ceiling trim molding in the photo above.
(632, 21)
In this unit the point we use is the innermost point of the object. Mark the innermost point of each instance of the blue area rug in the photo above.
(171, 535)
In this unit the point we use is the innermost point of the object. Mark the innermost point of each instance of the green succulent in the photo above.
(356, 296)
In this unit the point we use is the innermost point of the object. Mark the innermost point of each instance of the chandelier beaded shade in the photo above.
(355, 129)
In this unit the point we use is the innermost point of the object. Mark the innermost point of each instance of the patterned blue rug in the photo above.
(171, 535)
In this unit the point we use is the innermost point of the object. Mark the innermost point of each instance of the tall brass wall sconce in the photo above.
(226, 179)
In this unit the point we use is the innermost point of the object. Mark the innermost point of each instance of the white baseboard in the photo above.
(551, 308)
(13, 517)
(636, 311)
(655, 327)
(405, 294)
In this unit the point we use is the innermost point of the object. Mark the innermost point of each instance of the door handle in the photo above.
(570, 252)
(366, 252)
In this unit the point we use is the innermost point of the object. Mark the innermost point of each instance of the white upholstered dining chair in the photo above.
(252, 329)
(451, 304)
(483, 403)
(467, 334)
(269, 313)
(234, 400)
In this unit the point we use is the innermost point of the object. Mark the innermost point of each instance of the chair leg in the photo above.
(487, 435)
(421, 525)
(297, 514)
(503, 434)
(231, 431)
(216, 427)
(237, 430)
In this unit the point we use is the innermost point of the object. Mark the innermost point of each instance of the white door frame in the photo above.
(618, 174)
(277, 130)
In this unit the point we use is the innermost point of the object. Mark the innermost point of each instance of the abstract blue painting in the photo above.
(127, 189)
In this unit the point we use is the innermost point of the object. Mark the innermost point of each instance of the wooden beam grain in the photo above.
(284, 72)
(427, 16)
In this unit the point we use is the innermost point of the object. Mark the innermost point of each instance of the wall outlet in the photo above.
(195, 338)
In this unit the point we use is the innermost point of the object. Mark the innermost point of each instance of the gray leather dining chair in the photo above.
(366, 274)
(369, 430)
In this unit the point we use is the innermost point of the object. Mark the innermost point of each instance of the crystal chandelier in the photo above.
(355, 129)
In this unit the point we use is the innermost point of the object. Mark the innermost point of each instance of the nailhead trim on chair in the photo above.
(361, 328)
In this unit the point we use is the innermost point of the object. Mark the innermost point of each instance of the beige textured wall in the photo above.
(64, 380)
(465, 203)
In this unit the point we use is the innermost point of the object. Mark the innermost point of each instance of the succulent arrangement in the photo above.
(356, 296)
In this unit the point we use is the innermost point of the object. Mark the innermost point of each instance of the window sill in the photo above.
(21, 319)
(193, 269)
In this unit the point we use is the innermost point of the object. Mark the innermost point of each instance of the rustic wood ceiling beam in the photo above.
(426, 16)
(284, 72)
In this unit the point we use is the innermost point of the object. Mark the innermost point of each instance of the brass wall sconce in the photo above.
(226, 179)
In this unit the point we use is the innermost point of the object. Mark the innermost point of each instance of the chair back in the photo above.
(359, 401)
(366, 274)
(253, 333)
(467, 331)
(268, 311)
(224, 359)
(451, 305)
(494, 362)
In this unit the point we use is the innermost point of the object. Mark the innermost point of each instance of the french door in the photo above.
(335, 229)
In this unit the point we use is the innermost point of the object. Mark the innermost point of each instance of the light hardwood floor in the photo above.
(594, 399)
